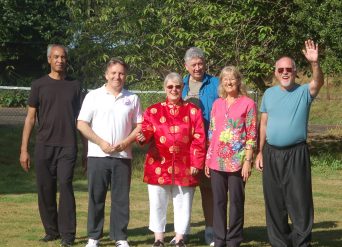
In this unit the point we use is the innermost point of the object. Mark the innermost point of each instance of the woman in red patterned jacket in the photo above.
(175, 131)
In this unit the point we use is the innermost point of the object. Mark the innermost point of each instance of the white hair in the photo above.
(292, 61)
(193, 52)
(50, 46)
(173, 76)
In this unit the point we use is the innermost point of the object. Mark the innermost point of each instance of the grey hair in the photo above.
(173, 76)
(50, 46)
(193, 52)
(114, 61)
(292, 61)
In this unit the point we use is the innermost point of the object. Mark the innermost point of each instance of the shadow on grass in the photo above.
(325, 144)
(257, 235)
(324, 234)
(326, 152)
(13, 180)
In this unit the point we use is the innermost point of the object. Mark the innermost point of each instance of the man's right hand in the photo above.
(259, 165)
(25, 160)
(107, 147)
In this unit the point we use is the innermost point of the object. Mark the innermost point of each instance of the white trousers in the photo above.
(182, 197)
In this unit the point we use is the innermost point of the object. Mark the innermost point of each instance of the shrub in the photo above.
(13, 98)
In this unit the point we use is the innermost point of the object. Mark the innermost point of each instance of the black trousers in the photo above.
(116, 173)
(54, 164)
(288, 194)
(222, 184)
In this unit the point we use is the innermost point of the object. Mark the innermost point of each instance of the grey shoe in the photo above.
(209, 235)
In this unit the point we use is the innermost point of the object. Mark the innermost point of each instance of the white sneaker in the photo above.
(212, 244)
(121, 243)
(92, 243)
(209, 235)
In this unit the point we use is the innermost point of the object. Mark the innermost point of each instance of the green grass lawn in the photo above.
(20, 223)
(326, 108)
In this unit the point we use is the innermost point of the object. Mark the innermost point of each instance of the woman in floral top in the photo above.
(232, 137)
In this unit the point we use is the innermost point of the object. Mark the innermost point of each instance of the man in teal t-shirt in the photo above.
(283, 153)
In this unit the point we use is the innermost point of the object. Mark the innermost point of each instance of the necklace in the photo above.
(229, 103)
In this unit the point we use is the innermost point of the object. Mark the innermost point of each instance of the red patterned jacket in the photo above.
(177, 141)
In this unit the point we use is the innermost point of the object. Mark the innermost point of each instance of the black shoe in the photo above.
(158, 243)
(180, 243)
(66, 243)
(49, 238)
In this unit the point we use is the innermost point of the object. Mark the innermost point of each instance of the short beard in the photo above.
(285, 84)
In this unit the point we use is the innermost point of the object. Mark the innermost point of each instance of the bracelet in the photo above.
(249, 160)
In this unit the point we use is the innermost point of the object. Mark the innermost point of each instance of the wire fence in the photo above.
(13, 102)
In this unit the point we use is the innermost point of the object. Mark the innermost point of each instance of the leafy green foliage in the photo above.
(152, 36)
(26, 28)
(13, 98)
(322, 21)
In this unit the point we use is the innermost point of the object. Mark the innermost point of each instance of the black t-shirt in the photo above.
(58, 103)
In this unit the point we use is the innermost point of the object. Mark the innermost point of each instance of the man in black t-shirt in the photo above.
(55, 101)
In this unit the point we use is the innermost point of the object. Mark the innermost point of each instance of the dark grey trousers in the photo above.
(223, 183)
(116, 173)
(288, 194)
(54, 164)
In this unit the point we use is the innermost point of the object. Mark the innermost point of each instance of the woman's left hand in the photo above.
(246, 170)
(193, 171)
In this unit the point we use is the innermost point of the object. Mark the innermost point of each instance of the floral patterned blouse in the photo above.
(232, 130)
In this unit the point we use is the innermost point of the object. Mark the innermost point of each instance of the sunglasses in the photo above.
(281, 70)
(174, 86)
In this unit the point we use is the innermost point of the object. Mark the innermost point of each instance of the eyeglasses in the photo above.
(229, 80)
(174, 86)
(281, 70)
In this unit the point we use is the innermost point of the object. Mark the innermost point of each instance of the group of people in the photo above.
(204, 133)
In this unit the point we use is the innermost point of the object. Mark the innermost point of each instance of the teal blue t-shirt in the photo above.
(288, 113)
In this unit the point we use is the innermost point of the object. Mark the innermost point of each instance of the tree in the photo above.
(152, 36)
(322, 21)
(26, 28)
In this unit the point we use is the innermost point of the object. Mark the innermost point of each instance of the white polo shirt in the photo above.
(111, 118)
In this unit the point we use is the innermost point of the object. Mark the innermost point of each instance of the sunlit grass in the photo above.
(20, 223)
(326, 108)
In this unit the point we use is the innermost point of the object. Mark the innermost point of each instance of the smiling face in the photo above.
(116, 77)
(285, 72)
(173, 89)
(230, 84)
(57, 59)
(196, 68)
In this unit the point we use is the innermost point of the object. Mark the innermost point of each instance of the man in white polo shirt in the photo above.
(110, 118)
